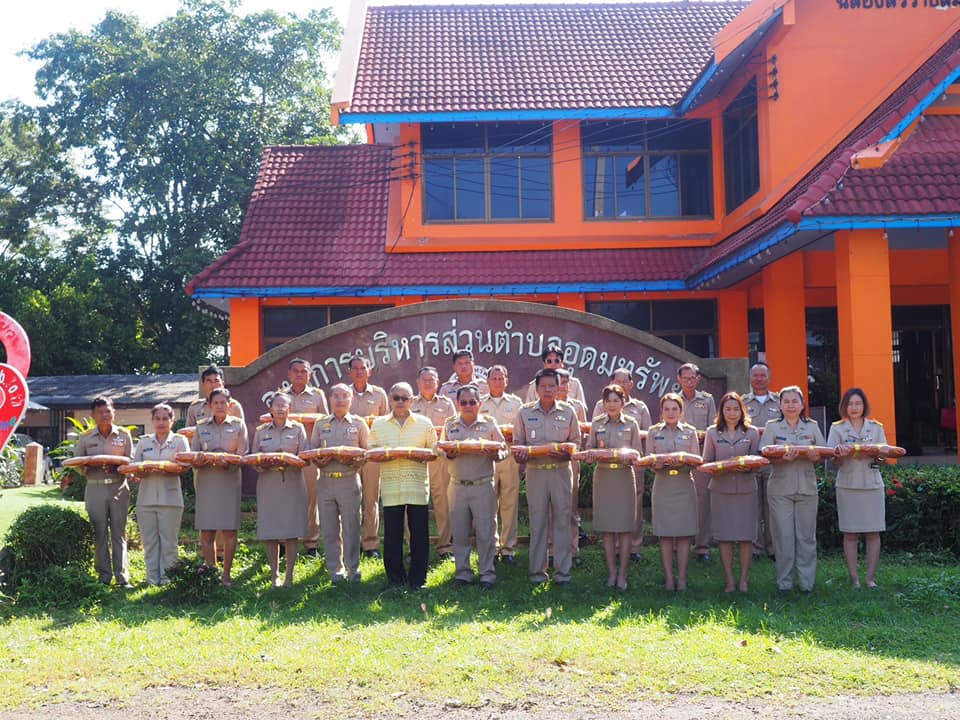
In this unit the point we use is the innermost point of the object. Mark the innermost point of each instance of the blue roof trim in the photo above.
(698, 87)
(638, 113)
(433, 290)
(921, 107)
(825, 224)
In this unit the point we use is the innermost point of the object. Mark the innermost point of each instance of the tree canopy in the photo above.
(161, 129)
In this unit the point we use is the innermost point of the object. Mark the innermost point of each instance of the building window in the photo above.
(689, 324)
(487, 172)
(281, 324)
(646, 169)
(741, 147)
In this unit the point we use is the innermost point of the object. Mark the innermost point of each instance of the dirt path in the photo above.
(259, 704)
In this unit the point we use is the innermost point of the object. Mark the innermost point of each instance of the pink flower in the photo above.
(890, 492)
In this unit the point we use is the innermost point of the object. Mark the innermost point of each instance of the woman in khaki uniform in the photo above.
(733, 495)
(281, 492)
(674, 497)
(218, 489)
(861, 506)
(792, 492)
(159, 499)
(614, 486)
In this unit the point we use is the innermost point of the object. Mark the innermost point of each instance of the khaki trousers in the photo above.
(549, 490)
(439, 481)
(159, 527)
(636, 544)
(574, 514)
(793, 525)
(370, 482)
(312, 538)
(469, 505)
(506, 484)
(339, 500)
(704, 532)
(107, 507)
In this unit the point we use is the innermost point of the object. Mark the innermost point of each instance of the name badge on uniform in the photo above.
(533, 434)
(351, 430)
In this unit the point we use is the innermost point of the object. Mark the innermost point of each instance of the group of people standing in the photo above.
(477, 494)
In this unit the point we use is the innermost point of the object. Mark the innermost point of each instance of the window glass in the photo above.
(438, 188)
(469, 183)
(536, 185)
(664, 186)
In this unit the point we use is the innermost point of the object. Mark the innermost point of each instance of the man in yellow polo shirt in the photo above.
(404, 488)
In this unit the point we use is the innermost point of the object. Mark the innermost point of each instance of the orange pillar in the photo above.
(734, 340)
(785, 321)
(246, 330)
(953, 255)
(864, 320)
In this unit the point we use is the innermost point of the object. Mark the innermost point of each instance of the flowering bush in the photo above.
(923, 508)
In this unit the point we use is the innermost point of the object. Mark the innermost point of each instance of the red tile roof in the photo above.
(919, 179)
(318, 219)
(456, 58)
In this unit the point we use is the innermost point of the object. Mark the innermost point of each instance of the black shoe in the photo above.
(562, 584)
(312, 553)
(445, 555)
(486, 586)
(371, 554)
(703, 557)
(460, 583)
(508, 559)
(550, 561)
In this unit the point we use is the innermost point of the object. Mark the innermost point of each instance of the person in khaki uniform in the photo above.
(700, 411)
(763, 405)
(438, 408)
(160, 498)
(563, 393)
(210, 379)
(368, 399)
(339, 486)
(638, 410)
(549, 480)
(861, 505)
(733, 495)
(674, 496)
(552, 359)
(792, 492)
(218, 489)
(107, 497)
(463, 370)
(305, 399)
(614, 484)
(281, 491)
(503, 407)
(472, 497)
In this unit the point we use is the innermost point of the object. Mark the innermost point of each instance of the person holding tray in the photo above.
(339, 493)
(792, 492)
(160, 498)
(218, 487)
(471, 496)
(549, 479)
(674, 496)
(614, 484)
(107, 497)
(404, 488)
(281, 491)
(861, 505)
(733, 495)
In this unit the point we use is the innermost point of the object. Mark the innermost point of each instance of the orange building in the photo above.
(774, 179)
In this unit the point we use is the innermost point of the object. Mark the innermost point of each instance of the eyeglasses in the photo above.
(401, 398)
(468, 403)
(553, 361)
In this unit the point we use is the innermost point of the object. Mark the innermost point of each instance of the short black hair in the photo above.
(211, 370)
(457, 354)
(101, 401)
(551, 350)
(297, 361)
(467, 388)
(546, 372)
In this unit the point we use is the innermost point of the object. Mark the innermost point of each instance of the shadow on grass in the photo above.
(913, 615)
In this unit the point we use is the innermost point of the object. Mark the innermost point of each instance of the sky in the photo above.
(26, 23)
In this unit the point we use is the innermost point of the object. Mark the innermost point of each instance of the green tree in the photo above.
(171, 121)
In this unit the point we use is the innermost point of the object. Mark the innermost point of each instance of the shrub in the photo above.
(56, 587)
(922, 508)
(48, 535)
(190, 582)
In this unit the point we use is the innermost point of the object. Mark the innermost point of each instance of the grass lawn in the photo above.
(364, 647)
